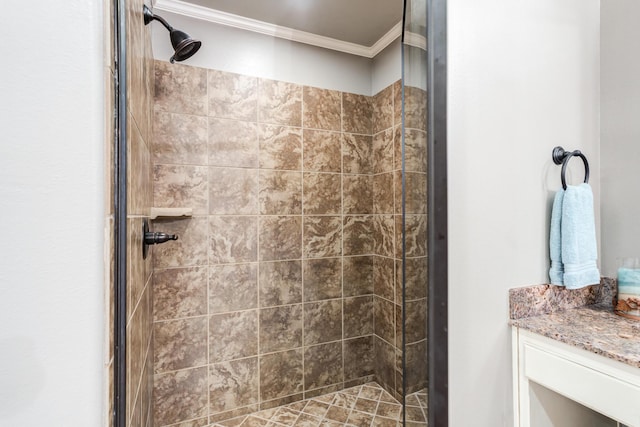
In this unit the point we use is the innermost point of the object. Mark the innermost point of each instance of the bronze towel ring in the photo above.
(561, 156)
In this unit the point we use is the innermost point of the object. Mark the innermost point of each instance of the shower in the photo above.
(183, 45)
(298, 288)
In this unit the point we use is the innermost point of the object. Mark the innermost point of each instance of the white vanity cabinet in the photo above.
(603, 384)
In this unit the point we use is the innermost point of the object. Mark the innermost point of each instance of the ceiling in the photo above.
(362, 22)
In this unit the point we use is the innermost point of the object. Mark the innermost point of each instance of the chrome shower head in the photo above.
(184, 46)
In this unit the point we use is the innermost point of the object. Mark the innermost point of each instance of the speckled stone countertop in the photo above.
(582, 319)
(594, 328)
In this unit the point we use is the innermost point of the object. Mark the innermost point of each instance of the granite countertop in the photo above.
(582, 318)
(594, 328)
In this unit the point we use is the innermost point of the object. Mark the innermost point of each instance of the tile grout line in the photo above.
(258, 254)
(342, 311)
(302, 261)
(208, 263)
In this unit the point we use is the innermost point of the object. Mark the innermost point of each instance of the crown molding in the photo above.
(230, 20)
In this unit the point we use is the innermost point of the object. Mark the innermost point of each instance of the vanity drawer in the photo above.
(604, 385)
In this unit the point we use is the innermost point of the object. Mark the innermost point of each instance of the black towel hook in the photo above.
(561, 156)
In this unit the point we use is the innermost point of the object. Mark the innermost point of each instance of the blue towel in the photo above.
(578, 238)
(556, 272)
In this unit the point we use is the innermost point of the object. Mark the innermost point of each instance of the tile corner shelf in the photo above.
(170, 212)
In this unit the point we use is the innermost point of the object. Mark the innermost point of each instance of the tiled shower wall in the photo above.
(268, 296)
(139, 189)
(415, 246)
(388, 231)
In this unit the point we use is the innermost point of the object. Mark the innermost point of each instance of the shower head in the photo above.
(183, 45)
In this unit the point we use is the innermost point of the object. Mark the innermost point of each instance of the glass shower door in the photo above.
(414, 212)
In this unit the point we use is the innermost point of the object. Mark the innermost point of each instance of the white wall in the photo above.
(620, 147)
(243, 52)
(52, 190)
(523, 78)
(386, 67)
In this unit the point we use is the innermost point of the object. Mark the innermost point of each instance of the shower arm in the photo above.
(149, 16)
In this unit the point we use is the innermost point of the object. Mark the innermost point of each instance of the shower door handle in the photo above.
(153, 238)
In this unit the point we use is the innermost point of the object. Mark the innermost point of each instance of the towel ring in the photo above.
(561, 156)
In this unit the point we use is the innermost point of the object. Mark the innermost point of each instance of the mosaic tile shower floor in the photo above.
(361, 406)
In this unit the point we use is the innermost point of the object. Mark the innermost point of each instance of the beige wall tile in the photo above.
(280, 328)
(358, 235)
(415, 193)
(383, 109)
(322, 193)
(397, 103)
(280, 147)
(323, 365)
(179, 139)
(358, 317)
(358, 357)
(357, 153)
(180, 186)
(233, 143)
(280, 193)
(321, 108)
(180, 395)
(279, 103)
(357, 113)
(280, 238)
(384, 362)
(357, 194)
(322, 321)
(233, 287)
(232, 96)
(280, 374)
(322, 151)
(415, 235)
(180, 344)
(383, 192)
(280, 283)
(415, 278)
(179, 292)
(322, 279)
(322, 236)
(416, 366)
(233, 191)
(233, 335)
(416, 320)
(139, 193)
(189, 250)
(384, 235)
(180, 89)
(415, 150)
(383, 151)
(384, 319)
(415, 108)
(358, 276)
(233, 239)
(383, 277)
(233, 384)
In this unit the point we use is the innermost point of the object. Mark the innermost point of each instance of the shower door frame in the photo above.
(437, 240)
(437, 214)
(118, 416)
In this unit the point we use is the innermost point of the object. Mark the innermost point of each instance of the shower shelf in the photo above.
(170, 212)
